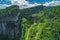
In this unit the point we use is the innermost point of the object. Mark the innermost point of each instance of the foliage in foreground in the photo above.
(44, 25)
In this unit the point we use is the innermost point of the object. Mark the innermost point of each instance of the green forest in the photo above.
(35, 23)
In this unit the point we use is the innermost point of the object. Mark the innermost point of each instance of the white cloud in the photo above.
(30, 5)
(23, 3)
(20, 3)
(48, 3)
(4, 6)
(52, 3)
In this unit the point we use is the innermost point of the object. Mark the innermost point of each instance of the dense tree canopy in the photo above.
(43, 25)
(36, 23)
(9, 11)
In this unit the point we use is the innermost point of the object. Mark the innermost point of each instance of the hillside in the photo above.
(36, 23)
(43, 25)
(8, 12)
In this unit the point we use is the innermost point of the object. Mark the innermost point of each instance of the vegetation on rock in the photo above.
(36, 23)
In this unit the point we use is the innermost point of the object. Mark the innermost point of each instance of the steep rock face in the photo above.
(9, 29)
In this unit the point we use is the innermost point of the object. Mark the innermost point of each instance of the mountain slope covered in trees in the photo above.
(37, 23)
(43, 25)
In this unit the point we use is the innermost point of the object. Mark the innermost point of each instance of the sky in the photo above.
(28, 3)
(38, 1)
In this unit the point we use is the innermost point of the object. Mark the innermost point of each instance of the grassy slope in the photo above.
(45, 25)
